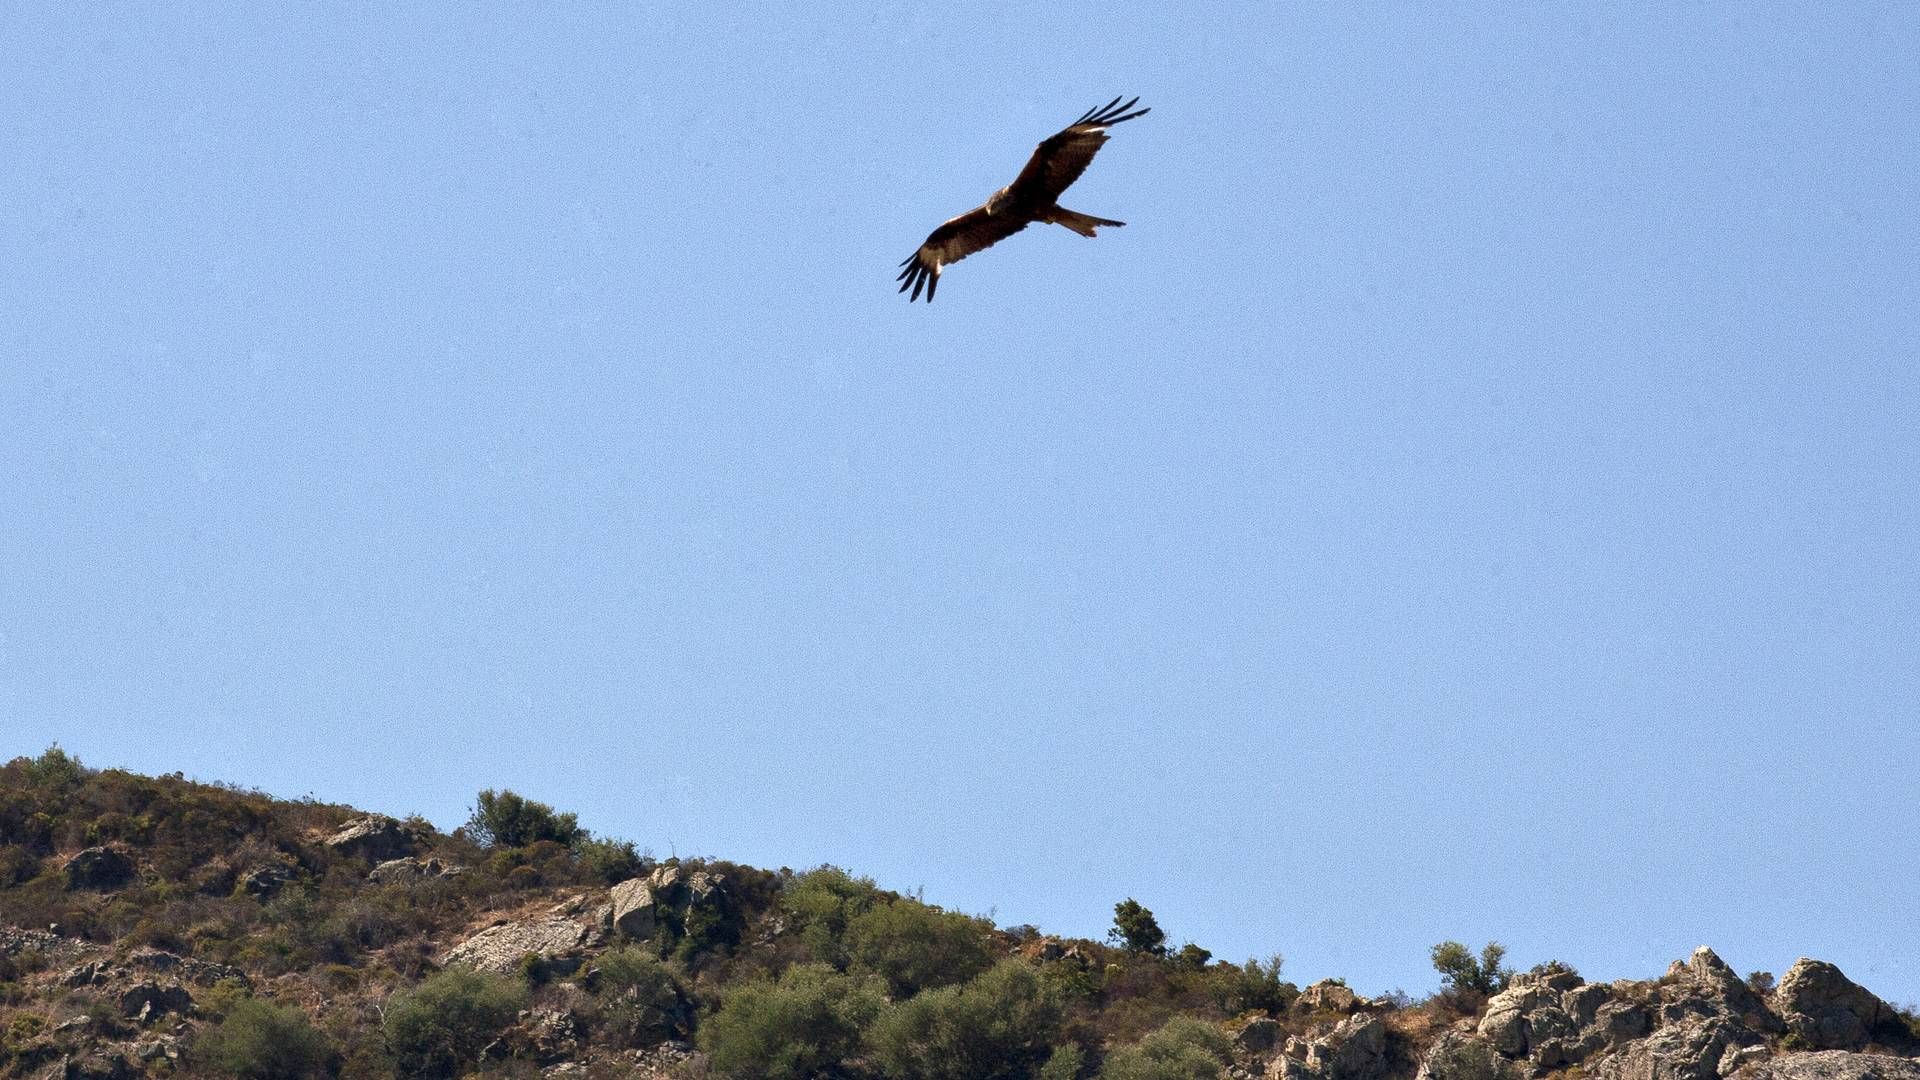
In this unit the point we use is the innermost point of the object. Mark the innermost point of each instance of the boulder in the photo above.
(636, 911)
(1827, 1010)
(373, 838)
(98, 868)
(410, 870)
(98, 1065)
(1583, 1002)
(1355, 1050)
(1706, 987)
(1256, 1037)
(265, 881)
(146, 1002)
(503, 947)
(1687, 1051)
(638, 904)
(1505, 1028)
(1836, 1065)
(1327, 995)
(1459, 1055)
(199, 972)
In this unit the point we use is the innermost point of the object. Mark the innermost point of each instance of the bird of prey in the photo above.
(1033, 196)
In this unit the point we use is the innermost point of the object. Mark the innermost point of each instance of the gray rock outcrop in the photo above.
(1356, 1049)
(98, 868)
(265, 881)
(1836, 1065)
(640, 905)
(1827, 1010)
(148, 1001)
(502, 948)
(373, 838)
(410, 870)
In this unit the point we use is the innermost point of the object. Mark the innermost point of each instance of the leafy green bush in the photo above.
(1254, 986)
(1460, 970)
(1064, 1064)
(258, 1040)
(821, 903)
(916, 947)
(1192, 957)
(804, 1026)
(1183, 1049)
(1000, 1026)
(1136, 930)
(442, 1024)
(609, 862)
(640, 1001)
(503, 819)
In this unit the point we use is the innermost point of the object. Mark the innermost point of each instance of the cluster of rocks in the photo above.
(561, 938)
(1354, 1047)
(1700, 1022)
(640, 905)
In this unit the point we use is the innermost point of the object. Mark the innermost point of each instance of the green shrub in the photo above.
(442, 1024)
(1064, 1064)
(1183, 1049)
(640, 1001)
(505, 819)
(916, 947)
(1000, 1026)
(1192, 957)
(258, 1040)
(1460, 970)
(821, 903)
(609, 862)
(1254, 986)
(806, 1025)
(1136, 930)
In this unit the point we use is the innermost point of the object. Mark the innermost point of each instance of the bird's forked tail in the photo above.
(1083, 224)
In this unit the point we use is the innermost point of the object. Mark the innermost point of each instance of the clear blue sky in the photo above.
(1475, 497)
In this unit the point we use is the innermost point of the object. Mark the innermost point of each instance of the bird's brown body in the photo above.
(1033, 196)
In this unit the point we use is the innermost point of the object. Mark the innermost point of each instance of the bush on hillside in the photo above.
(821, 903)
(258, 1040)
(1184, 1048)
(916, 947)
(1000, 1026)
(1136, 930)
(1254, 986)
(504, 819)
(1460, 970)
(806, 1025)
(440, 1027)
(641, 1002)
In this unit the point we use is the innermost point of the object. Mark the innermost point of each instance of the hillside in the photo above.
(155, 926)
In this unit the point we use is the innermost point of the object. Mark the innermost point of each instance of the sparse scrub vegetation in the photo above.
(770, 974)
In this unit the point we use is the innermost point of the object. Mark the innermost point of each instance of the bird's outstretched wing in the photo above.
(1060, 159)
(1056, 164)
(975, 230)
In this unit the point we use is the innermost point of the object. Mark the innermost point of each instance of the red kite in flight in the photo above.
(1032, 197)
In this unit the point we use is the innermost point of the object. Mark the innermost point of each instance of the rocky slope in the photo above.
(155, 927)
